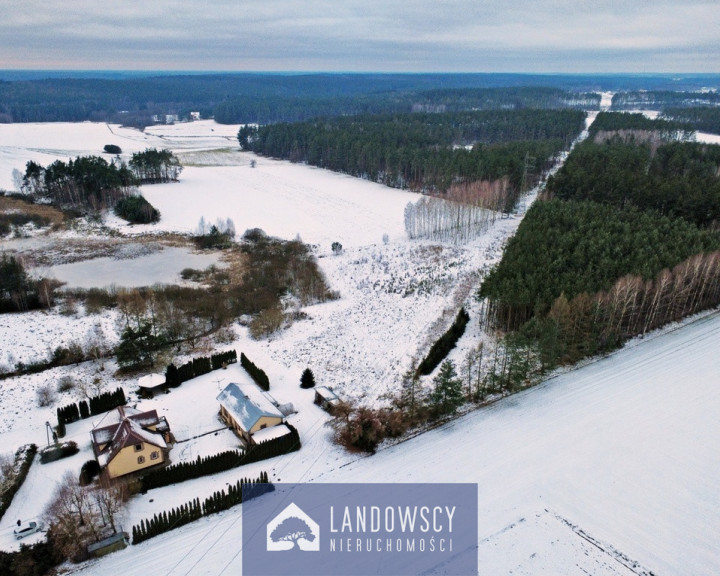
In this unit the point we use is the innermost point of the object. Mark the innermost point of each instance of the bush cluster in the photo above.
(176, 375)
(257, 374)
(58, 451)
(444, 344)
(137, 210)
(193, 510)
(34, 560)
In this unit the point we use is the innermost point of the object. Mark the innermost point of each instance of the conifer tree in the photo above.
(307, 380)
(447, 394)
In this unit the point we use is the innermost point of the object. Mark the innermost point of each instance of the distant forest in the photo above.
(661, 99)
(266, 98)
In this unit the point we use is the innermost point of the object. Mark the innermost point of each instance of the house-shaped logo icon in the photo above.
(293, 529)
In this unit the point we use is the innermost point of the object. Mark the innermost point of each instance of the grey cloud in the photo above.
(414, 35)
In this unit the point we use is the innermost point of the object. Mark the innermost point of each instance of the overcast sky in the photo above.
(363, 35)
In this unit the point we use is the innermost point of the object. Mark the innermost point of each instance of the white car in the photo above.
(27, 528)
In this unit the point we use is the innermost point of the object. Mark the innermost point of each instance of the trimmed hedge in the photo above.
(257, 374)
(98, 404)
(176, 473)
(193, 510)
(24, 456)
(176, 375)
(445, 343)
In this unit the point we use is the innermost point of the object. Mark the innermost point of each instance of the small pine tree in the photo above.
(447, 395)
(307, 380)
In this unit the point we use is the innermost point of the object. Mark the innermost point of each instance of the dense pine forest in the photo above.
(624, 240)
(632, 161)
(429, 152)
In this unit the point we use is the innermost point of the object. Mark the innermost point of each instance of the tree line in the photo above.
(661, 99)
(424, 151)
(19, 292)
(702, 118)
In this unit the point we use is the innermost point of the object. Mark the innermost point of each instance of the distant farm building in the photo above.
(127, 440)
(246, 409)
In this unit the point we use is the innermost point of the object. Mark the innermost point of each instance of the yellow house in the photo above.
(127, 440)
(245, 409)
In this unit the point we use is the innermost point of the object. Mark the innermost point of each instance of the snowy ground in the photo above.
(618, 450)
(610, 469)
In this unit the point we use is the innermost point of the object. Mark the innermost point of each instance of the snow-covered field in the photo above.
(613, 460)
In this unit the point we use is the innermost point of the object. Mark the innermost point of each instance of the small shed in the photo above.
(117, 541)
(326, 398)
(151, 384)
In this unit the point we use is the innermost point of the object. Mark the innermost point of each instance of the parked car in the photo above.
(27, 528)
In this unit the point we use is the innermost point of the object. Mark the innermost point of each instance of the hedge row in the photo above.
(257, 374)
(97, 405)
(176, 375)
(221, 462)
(23, 459)
(275, 447)
(445, 343)
(189, 470)
(193, 510)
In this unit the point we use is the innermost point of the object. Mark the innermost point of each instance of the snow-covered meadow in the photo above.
(613, 460)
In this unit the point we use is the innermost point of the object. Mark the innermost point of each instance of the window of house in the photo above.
(141, 459)
(154, 455)
(138, 447)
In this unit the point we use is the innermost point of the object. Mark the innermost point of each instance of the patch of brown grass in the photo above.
(44, 211)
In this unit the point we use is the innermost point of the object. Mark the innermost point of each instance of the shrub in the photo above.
(112, 149)
(254, 235)
(89, 471)
(137, 210)
(65, 383)
(267, 322)
(45, 395)
(57, 451)
(72, 354)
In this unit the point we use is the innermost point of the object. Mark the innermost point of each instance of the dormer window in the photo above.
(138, 447)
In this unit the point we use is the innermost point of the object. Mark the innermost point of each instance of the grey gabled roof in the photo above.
(246, 404)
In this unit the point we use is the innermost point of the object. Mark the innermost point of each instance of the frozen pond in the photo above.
(162, 267)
